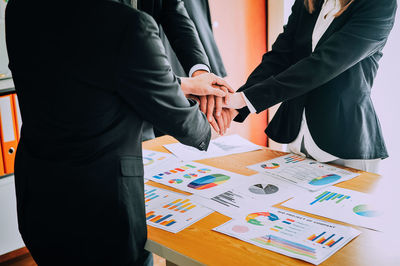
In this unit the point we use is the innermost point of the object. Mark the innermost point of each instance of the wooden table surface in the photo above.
(198, 244)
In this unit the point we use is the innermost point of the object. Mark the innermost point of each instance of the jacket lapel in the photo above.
(336, 24)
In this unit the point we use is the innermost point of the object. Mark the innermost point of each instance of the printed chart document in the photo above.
(303, 172)
(256, 190)
(153, 160)
(229, 203)
(218, 147)
(343, 205)
(289, 233)
(171, 211)
(268, 189)
(197, 178)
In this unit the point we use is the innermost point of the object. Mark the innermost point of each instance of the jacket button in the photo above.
(202, 145)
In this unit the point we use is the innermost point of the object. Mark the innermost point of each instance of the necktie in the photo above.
(134, 4)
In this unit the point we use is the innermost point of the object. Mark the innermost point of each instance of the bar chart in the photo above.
(324, 239)
(180, 205)
(328, 195)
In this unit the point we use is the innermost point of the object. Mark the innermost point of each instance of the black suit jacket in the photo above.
(87, 76)
(333, 83)
(178, 33)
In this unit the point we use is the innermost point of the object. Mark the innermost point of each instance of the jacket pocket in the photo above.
(132, 166)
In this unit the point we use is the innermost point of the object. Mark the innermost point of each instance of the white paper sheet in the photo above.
(153, 160)
(268, 189)
(218, 147)
(289, 234)
(171, 211)
(197, 178)
(303, 172)
(342, 205)
(229, 203)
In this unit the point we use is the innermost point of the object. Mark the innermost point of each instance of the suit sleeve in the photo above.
(147, 84)
(364, 34)
(274, 61)
(182, 34)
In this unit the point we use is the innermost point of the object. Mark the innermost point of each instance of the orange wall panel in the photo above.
(240, 32)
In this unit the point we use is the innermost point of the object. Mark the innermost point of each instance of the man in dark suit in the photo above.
(183, 40)
(87, 77)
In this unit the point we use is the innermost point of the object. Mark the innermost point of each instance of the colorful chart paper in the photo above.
(152, 160)
(303, 172)
(197, 178)
(268, 189)
(171, 211)
(290, 234)
(343, 205)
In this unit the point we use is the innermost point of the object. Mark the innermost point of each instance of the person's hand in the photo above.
(202, 85)
(223, 122)
(236, 101)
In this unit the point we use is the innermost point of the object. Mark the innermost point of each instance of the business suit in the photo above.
(185, 29)
(332, 84)
(79, 170)
(183, 40)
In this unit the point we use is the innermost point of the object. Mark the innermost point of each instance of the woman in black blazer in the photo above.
(322, 72)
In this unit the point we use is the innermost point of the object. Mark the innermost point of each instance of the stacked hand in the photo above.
(215, 98)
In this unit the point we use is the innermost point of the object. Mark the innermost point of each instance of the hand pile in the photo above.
(216, 98)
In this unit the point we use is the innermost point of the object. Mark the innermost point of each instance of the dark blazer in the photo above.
(333, 83)
(199, 12)
(183, 41)
(185, 29)
(87, 75)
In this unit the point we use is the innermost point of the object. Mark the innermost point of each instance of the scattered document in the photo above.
(153, 160)
(303, 172)
(197, 178)
(229, 203)
(257, 190)
(343, 205)
(268, 189)
(171, 211)
(289, 233)
(218, 147)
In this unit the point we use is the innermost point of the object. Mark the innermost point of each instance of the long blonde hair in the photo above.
(310, 6)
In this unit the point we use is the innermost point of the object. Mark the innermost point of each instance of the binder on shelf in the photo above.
(17, 115)
(8, 130)
(2, 172)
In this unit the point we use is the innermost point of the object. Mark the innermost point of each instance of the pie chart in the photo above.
(208, 181)
(365, 210)
(175, 181)
(263, 189)
(189, 176)
(270, 165)
(147, 161)
(325, 180)
(261, 218)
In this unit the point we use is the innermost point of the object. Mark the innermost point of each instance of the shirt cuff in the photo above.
(198, 67)
(248, 103)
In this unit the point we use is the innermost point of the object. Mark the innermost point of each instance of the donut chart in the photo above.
(208, 181)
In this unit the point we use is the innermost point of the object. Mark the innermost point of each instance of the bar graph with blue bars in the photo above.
(327, 196)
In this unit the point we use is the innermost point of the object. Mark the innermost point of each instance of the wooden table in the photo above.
(198, 244)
